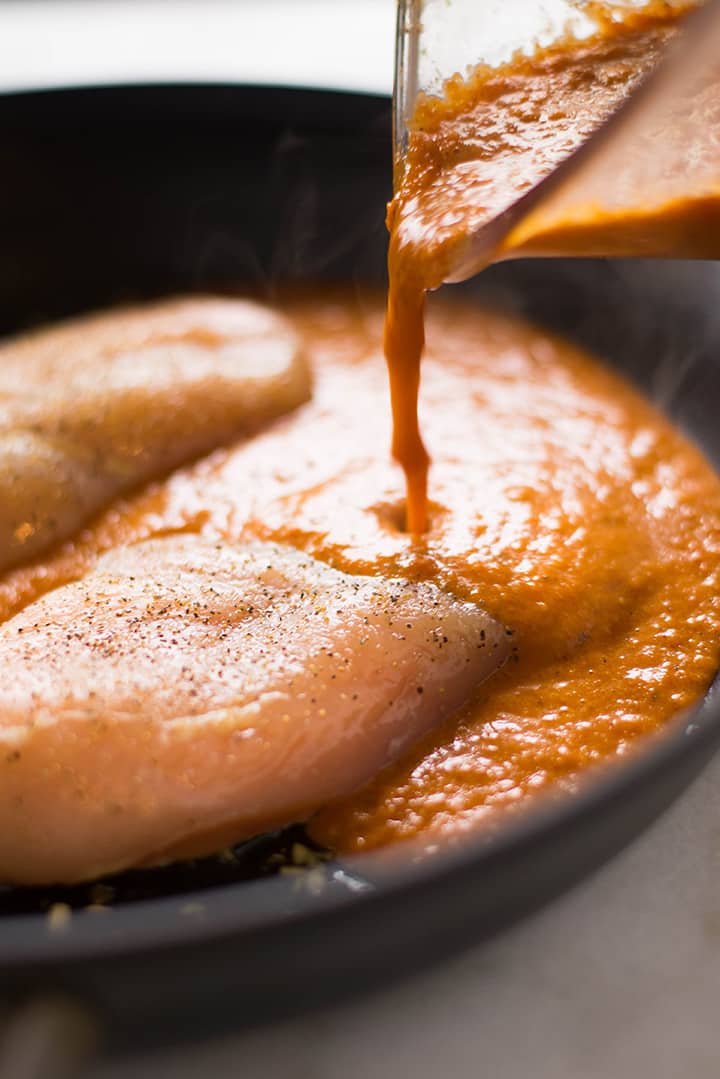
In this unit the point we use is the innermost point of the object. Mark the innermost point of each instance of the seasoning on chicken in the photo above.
(187, 694)
(98, 406)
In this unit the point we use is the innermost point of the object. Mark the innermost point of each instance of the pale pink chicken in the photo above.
(95, 407)
(186, 694)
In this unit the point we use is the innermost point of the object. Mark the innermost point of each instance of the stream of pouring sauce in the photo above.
(479, 148)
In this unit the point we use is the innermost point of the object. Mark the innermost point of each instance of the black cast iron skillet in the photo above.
(125, 193)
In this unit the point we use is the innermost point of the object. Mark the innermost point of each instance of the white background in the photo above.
(342, 43)
(619, 979)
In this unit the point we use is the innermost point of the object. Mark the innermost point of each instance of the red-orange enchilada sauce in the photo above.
(580, 567)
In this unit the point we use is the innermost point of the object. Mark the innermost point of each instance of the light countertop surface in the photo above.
(619, 979)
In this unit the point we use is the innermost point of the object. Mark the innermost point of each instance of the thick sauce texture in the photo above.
(562, 502)
(481, 147)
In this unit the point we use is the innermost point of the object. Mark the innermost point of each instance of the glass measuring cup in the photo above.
(643, 175)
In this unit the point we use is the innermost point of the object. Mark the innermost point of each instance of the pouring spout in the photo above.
(604, 142)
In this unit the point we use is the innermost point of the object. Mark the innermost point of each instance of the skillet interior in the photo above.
(126, 193)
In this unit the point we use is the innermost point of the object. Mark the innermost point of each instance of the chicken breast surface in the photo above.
(185, 695)
(95, 407)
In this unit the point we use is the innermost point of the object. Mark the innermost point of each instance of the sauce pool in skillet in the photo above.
(558, 497)
(562, 502)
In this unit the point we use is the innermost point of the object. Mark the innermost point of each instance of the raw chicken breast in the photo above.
(185, 695)
(99, 405)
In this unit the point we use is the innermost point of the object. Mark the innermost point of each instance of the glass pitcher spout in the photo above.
(580, 129)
